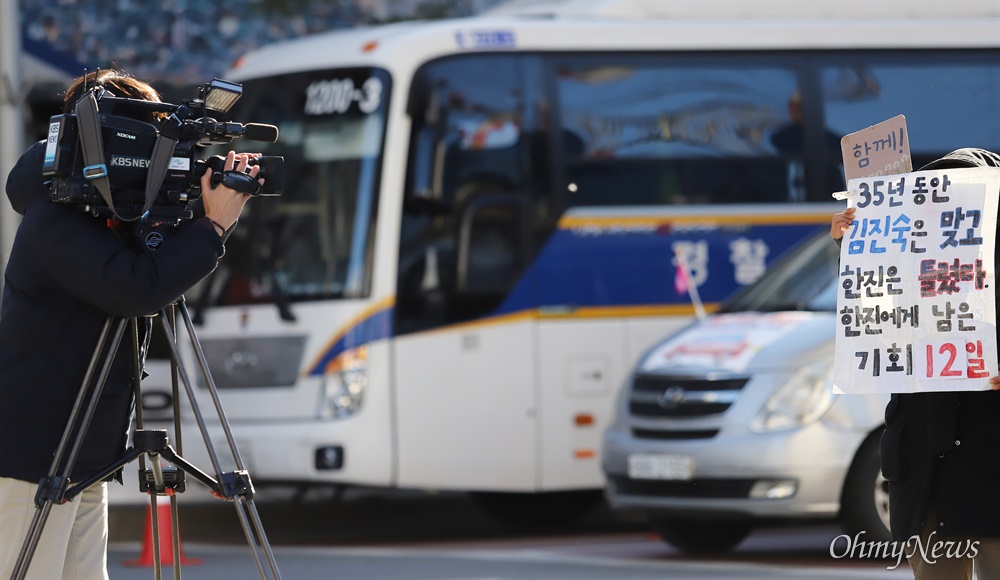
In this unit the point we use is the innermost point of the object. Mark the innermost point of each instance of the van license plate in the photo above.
(643, 466)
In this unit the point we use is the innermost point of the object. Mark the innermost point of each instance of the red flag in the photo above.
(680, 279)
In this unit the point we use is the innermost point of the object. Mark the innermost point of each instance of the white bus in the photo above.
(480, 217)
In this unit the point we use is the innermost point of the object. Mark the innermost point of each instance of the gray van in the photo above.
(732, 421)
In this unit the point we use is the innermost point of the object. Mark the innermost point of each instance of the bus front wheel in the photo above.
(538, 509)
(702, 536)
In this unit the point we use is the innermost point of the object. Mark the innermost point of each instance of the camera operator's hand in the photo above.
(223, 205)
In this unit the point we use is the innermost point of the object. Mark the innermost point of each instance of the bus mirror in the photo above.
(430, 148)
(424, 103)
(492, 244)
(433, 115)
(428, 168)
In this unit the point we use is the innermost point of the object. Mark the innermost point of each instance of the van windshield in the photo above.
(804, 279)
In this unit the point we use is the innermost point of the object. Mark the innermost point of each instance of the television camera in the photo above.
(135, 159)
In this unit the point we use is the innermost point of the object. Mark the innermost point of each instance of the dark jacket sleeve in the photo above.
(94, 264)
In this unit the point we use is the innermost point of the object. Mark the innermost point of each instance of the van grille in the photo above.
(695, 488)
(674, 435)
(666, 396)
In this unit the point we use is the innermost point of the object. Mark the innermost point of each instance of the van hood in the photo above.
(744, 342)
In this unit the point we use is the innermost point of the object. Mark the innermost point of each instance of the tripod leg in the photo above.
(175, 386)
(84, 390)
(178, 365)
(210, 384)
(248, 501)
(154, 521)
(53, 487)
(176, 535)
(31, 541)
(178, 441)
(236, 484)
(241, 514)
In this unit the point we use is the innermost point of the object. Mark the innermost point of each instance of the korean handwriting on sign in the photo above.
(874, 234)
(891, 192)
(948, 312)
(950, 222)
(915, 284)
(893, 354)
(891, 141)
(954, 360)
(941, 360)
(872, 229)
(874, 282)
(943, 277)
(853, 317)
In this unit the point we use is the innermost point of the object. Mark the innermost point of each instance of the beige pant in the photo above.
(74, 542)
(986, 562)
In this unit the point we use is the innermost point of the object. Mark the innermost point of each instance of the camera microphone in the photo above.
(212, 132)
(260, 132)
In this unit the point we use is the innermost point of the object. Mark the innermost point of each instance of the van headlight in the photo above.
(802, 400)
(344, 385)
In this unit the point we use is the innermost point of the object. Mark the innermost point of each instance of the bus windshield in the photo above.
(315, 241)
(805, 279)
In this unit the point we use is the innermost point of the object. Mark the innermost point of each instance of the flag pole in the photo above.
(690, 286)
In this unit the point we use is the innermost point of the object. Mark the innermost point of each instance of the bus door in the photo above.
(465, 372)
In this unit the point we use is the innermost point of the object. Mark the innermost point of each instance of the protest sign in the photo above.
(915, 305)
(882, 149)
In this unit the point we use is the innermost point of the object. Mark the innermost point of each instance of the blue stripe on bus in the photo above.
(376, 326)
(577, 269)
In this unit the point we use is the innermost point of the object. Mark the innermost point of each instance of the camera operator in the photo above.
(68, 272)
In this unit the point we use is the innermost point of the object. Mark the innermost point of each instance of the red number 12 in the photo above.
(946, 371)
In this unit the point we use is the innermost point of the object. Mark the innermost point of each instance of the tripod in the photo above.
(233, 486)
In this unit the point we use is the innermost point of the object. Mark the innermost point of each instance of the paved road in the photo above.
(446, 537)
(481, 564)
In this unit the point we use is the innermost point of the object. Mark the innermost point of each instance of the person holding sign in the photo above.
(940, 452)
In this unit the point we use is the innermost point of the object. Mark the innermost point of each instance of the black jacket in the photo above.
(945, 447)
(67, 273)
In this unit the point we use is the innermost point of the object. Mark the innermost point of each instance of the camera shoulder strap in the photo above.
(94, 170)
(159, 162)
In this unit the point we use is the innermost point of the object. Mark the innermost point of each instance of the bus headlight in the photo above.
(800, 401)
(344, 385)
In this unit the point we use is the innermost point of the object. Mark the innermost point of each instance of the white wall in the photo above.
(12, 96)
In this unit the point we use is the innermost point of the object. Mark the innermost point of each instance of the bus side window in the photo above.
(654, 130)
(955, 110)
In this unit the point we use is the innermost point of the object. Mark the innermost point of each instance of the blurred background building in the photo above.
(173, 40)
(179, 43)
(174, 44)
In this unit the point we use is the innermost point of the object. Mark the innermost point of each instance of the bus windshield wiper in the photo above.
(280, 298)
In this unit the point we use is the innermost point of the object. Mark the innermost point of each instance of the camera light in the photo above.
(222, 95)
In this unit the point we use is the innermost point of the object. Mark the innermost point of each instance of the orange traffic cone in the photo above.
(164, 525)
